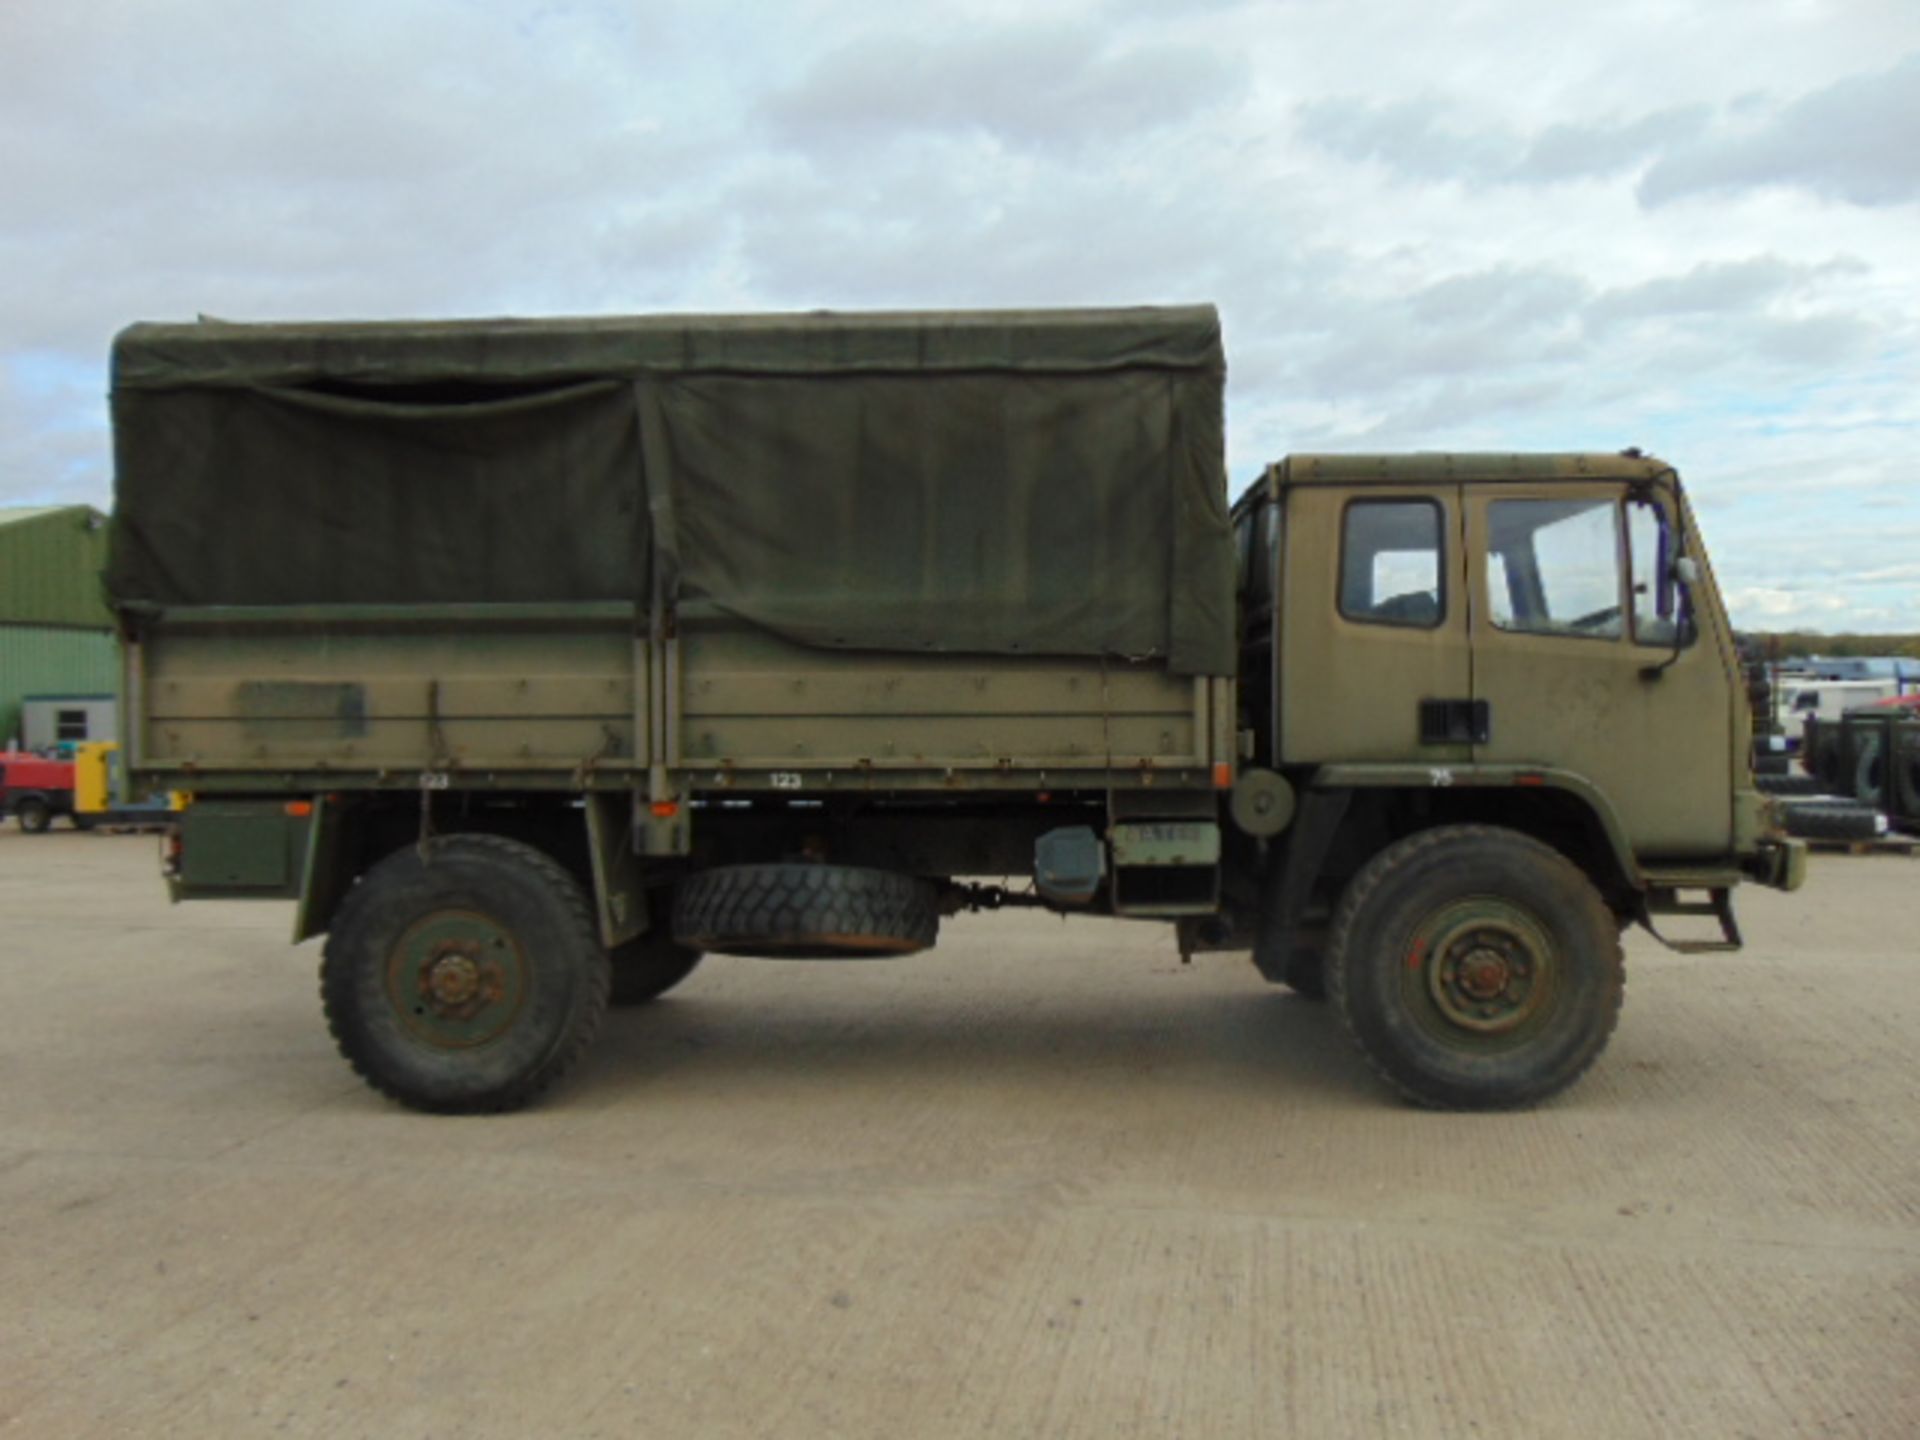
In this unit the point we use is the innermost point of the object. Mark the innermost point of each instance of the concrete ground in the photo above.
(1045, 1181)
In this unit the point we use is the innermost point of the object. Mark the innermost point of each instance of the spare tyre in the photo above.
(805, 911)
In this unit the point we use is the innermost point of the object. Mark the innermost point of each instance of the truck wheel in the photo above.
(1306, 972)
(1476, 968)
(467, 981)
(34, 814)
(648, 966)
(802, 911)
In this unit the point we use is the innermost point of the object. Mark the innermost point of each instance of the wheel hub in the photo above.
(1483, 974)
(456, 978)
(459, 981)
(1485, 970)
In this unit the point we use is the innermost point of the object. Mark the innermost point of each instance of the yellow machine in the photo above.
(99, 784)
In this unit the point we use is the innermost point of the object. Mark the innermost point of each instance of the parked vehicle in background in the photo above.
(535, 659)
(88, 788)
(35, 789)
(1802, 700)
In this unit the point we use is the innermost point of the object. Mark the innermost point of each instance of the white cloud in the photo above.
(1852, 140)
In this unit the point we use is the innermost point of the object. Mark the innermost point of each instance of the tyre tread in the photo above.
(758, 902)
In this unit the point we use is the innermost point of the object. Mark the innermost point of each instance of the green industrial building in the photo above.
(56, 633)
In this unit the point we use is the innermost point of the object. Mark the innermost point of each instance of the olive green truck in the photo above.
(536, 659)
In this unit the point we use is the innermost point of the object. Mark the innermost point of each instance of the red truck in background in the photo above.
(34, 789)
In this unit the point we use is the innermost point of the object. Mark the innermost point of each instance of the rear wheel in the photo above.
(1476, 968)
(467, 980)
(34, 814)
(648, 966)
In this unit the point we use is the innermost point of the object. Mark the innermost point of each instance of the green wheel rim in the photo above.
(1481, 972)
(456, 979)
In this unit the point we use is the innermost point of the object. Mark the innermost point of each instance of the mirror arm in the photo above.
(1643, 490)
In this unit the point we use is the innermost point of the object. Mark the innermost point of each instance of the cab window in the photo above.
(1390, 563)
(1553, 567)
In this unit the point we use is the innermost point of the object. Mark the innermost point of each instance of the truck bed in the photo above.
(579, 697)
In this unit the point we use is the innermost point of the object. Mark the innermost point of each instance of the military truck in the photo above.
(535, 660)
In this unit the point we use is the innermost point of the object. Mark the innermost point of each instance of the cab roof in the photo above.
(1440, 467)
(1433, 467)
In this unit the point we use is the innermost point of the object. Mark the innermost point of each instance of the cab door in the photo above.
(1373, 625)
(1587, 657)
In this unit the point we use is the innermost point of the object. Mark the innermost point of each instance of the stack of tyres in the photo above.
(1820, 750)
(1861, 762)
(1847, 758)
(1903, 780)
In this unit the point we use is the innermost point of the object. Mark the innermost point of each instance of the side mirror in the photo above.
(1686, 570)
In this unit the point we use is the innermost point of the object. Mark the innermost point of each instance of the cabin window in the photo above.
(1553, 567)
(1390, 563)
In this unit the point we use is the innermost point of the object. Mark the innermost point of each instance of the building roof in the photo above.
(16, 514)
(51, 557)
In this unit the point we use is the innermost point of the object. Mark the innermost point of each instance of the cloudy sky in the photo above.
(1484, 224)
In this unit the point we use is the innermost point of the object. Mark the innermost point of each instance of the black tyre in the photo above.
(1789, 784)
(1306, 972)
(648, 966)
(1476, 968)
(1825, 759)
(1768, 762)
(1868, 771)
(34, 814)
(82, 822)
(1831, 820)
(466, 981)
(1291, 955)
(804, 911)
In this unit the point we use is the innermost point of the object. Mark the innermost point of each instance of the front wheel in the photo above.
(34, 815)
(1476, 968)
(467, 978)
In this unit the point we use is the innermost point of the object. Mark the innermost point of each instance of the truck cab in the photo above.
(1533, 643)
